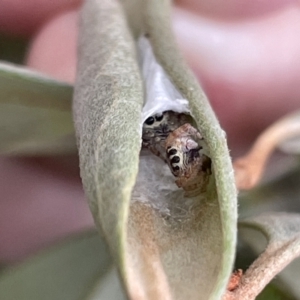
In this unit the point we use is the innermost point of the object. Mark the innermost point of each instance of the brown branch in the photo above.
(249, 168)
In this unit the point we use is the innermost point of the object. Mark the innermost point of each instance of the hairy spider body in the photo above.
(171, 137)
(187, 160)
(157, 128)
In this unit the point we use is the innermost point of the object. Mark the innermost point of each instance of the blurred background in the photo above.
(246, 56)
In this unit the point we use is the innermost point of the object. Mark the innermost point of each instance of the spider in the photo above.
(157, 128)
(187, 160)
(171, 136)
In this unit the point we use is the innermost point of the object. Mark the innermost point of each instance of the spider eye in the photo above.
(175, 159)
(176, 168)
(172, 152)
(159, 118)
(149, 121)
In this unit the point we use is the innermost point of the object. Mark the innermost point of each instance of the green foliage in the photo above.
(69, 271)
(35, 113)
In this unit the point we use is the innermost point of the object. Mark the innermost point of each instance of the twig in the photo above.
(249, 168)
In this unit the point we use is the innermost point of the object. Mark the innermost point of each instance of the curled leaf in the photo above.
(284, 134)
(282, 231)
(35, 113)
(167, 246)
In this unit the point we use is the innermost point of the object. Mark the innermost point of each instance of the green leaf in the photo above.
(166, 246)
(132, 9)
(35, 113)
(107, 287)
(282, 231)
(280, 193)
(68, 271)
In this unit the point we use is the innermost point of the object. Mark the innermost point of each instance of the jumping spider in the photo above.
(157, 128)
(171, 136)
(187, 160)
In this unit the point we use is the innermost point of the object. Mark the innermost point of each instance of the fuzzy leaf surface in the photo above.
(166, 246)
(35, 113)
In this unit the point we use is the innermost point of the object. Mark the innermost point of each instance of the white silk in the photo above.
(160, 93)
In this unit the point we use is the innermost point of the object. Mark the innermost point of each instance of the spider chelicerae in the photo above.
(171, 136)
